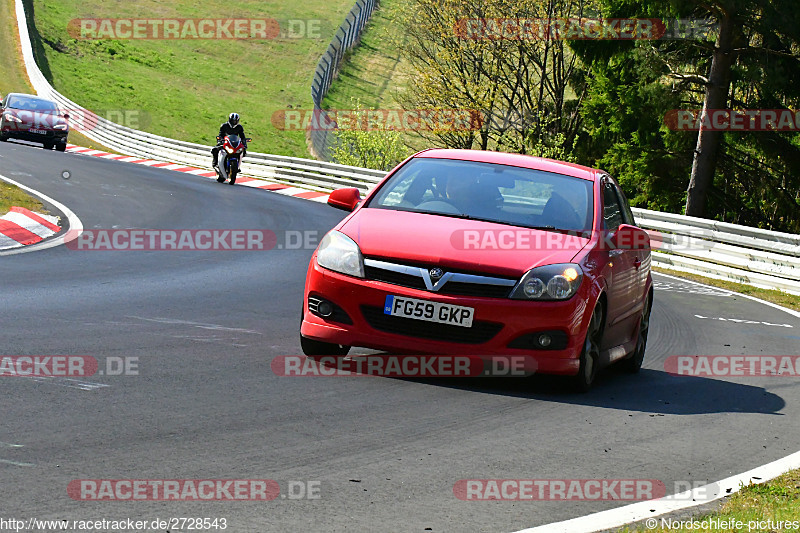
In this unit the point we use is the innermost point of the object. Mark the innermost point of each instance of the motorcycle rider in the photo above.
(231, 127)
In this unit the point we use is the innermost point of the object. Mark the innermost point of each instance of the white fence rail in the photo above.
(720, 250)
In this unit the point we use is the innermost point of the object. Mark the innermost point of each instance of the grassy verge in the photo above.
(777, 500)
(374, 73)
(13, 196)
(184, 88)
(775, 296)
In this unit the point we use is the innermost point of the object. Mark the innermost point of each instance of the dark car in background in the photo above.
(31, 118)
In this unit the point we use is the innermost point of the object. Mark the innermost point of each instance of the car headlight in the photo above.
(12, 118)
(340, 253)
(549, 282)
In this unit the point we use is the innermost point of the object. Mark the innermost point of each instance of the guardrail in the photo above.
(762, 258)
(757, 257)
(346, 37)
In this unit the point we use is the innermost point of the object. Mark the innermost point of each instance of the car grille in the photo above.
(451, 283)
(395, 278)
(479, 333)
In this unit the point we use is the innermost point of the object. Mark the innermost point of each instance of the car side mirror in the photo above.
(629, 237)
(345, 199)
(66, 116)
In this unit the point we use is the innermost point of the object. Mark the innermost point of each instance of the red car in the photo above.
(485, 253)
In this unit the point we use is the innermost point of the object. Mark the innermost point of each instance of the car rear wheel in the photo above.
(47, 146)
(313, 347)
(634, 363)
(3, 138)
(590, 355)
(61, 147)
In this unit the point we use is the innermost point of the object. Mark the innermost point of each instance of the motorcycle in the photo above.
(229, 158)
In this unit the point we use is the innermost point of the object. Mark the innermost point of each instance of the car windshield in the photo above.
(490, 192)
(31, 104)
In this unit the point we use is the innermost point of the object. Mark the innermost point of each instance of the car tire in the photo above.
(3, 138)
(590, 354)
(633, 363)
(313, 347)
(61, 147)
(47, 146)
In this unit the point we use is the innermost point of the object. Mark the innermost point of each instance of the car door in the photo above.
(642, 256)
(622, 279)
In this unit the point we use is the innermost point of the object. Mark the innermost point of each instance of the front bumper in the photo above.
(497, 323)
(50, 137)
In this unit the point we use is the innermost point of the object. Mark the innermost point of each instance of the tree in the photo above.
(469, 55)
(749, 61)
(367, 145)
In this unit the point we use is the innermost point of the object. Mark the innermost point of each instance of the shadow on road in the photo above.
(650, 391)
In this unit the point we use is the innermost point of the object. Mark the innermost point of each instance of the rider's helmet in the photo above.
(233, 119)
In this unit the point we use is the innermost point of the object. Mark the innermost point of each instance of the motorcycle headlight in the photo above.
(229, 149)
(549, 282)
(12, 118)
(340, 253)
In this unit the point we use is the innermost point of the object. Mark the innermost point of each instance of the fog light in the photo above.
(545, 340)
(325, 308)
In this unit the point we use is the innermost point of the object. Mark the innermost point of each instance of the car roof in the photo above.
(514, 160)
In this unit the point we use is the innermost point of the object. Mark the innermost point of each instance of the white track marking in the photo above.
(75, 224)
(194, 324)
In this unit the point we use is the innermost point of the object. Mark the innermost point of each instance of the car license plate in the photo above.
(454, 315)
(40, 132)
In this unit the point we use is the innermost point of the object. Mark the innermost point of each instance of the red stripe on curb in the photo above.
(30, 214)
(305, 195)
(309, 195)
(18, 233)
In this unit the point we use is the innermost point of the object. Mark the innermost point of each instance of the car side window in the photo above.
(612, 212)
(627, 214)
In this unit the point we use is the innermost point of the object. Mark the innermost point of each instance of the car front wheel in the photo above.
(634, 363)
(590, 355)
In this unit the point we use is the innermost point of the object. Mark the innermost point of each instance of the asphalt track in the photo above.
(386, 452)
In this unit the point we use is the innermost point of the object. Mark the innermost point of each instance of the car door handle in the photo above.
(637, 263)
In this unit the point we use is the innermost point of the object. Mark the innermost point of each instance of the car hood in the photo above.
(456, 243)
